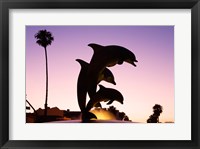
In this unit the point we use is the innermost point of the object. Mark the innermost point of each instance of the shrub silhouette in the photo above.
(154, 118)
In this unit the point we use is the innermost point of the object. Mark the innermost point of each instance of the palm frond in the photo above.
(44, 38)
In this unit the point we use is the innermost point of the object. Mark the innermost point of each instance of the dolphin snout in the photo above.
(134, 63)
(121, 101)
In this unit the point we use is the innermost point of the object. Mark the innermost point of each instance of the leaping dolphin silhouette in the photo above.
(106, 75)
(105, 94)
(106, 56)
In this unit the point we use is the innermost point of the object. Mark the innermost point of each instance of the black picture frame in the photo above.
(5, 5)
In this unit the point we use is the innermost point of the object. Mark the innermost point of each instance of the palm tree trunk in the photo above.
(46, 98)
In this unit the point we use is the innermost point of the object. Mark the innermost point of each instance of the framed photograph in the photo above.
(103, 74)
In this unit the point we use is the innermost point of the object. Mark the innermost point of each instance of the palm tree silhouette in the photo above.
(45, 38)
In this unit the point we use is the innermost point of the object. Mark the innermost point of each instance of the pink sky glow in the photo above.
(150, 83)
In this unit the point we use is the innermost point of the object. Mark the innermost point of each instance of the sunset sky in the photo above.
(150, 83)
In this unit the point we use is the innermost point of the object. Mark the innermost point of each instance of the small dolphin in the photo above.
(106, 56)
(106, 75)
(105, 94)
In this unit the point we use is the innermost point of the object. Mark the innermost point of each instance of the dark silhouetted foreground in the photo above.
(154, 118)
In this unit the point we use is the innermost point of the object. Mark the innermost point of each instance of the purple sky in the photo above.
(150, 83)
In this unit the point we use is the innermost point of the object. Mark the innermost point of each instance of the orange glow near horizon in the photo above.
(103, 114)
(150, 83)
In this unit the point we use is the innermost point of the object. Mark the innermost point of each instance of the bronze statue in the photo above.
(91, 74)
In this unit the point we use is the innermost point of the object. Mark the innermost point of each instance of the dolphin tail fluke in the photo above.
(82, 63)
(95, 47)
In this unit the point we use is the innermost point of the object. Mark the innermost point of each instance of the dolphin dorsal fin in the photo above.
(95, 47)
(101, 87)
(110, 102)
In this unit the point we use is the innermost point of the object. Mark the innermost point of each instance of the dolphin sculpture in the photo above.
(106, 56)
(105, 94)
(106, 75)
